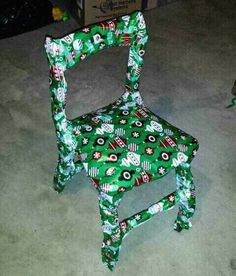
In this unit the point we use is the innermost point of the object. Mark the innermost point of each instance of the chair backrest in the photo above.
(65, 52)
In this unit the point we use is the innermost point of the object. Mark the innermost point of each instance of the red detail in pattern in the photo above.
(73, 54)
(51, 72)
(127, 87)
(95, 182)
(97, 155)
(118, 142)
(121, 189)
(109, 25)
(168, 142)
(126, 39)
(144, 178)
(94, 120)
(123, 225)
(141, 113)
(138, 71)
(56, 72)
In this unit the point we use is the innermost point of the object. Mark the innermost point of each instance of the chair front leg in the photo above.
(65, 170)
(186, 192)
(111, 230)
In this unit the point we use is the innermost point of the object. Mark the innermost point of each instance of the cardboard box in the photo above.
(98, 10)
(165, 2)
(149, 4)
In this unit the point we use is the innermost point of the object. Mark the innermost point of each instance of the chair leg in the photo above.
(111, 230)
(186, 192)
(65, 170)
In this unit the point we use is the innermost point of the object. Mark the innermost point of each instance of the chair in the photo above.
(124, 144)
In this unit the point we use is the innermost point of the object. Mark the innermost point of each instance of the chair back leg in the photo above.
(186, 192)
(65, 170)
(111, 230)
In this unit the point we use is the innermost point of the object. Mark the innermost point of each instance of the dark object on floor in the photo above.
(19, 16)
(233, 91)
(233, 101)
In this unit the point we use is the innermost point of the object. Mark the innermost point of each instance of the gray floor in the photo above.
(188, 74)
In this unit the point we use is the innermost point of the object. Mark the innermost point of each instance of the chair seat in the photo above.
(125, 144)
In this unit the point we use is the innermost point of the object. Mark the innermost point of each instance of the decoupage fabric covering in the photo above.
(123, 144)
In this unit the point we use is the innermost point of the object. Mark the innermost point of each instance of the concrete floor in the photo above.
(188, 74)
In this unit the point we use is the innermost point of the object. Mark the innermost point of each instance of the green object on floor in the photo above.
(233, 103)
(124, 144)
(59, 15)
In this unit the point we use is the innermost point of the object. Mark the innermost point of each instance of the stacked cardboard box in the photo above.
(150, 4)
(88, 12)
(165, 2)
(94, 11)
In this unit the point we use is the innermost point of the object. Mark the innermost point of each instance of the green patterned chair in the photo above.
(122, 145)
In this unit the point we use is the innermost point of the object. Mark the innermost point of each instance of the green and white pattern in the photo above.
(123, 144)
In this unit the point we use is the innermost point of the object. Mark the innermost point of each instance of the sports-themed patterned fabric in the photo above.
(124, 144)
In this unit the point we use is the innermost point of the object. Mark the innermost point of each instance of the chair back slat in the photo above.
(65, 52)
